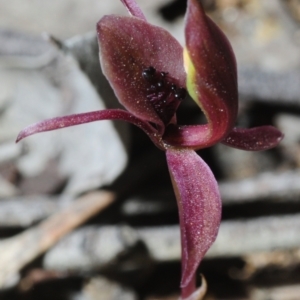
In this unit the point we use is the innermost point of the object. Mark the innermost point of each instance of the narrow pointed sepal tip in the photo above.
(31, 130)
(134, 9)
(43, 126)
(21, 136)
(199, 294)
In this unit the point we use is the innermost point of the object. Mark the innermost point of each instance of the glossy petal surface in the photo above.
(199, 206)
(211, 68)
(254, 139)
(128, 46)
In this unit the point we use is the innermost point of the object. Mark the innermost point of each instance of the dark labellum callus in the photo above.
(163, 93)
(149, 73)
(160, 84)
(163, 74)
(180, 93)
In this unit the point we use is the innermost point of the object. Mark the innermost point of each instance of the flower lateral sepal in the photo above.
(199, 205)
(254, 139)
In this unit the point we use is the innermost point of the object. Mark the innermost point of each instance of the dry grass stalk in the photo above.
(21, 249)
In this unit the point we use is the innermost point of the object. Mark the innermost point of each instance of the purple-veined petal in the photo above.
(134, 9)
(99, 115)
(128, 46)
(211, 70)
(254, 139)
(199, 205)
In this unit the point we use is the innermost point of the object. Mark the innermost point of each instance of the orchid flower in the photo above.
(151, 74)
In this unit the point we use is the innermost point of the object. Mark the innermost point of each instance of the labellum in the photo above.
(163, 93)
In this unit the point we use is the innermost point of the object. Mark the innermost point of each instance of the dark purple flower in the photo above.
(150, 74)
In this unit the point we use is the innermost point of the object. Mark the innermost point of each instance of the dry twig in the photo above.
(19, 250)
(236, 238)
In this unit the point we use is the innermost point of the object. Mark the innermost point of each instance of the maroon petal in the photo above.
(211, 70)
(134, 9)
(199, 206)
(254, 139)
(189, 136)
(77, 119)
(128, 46)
